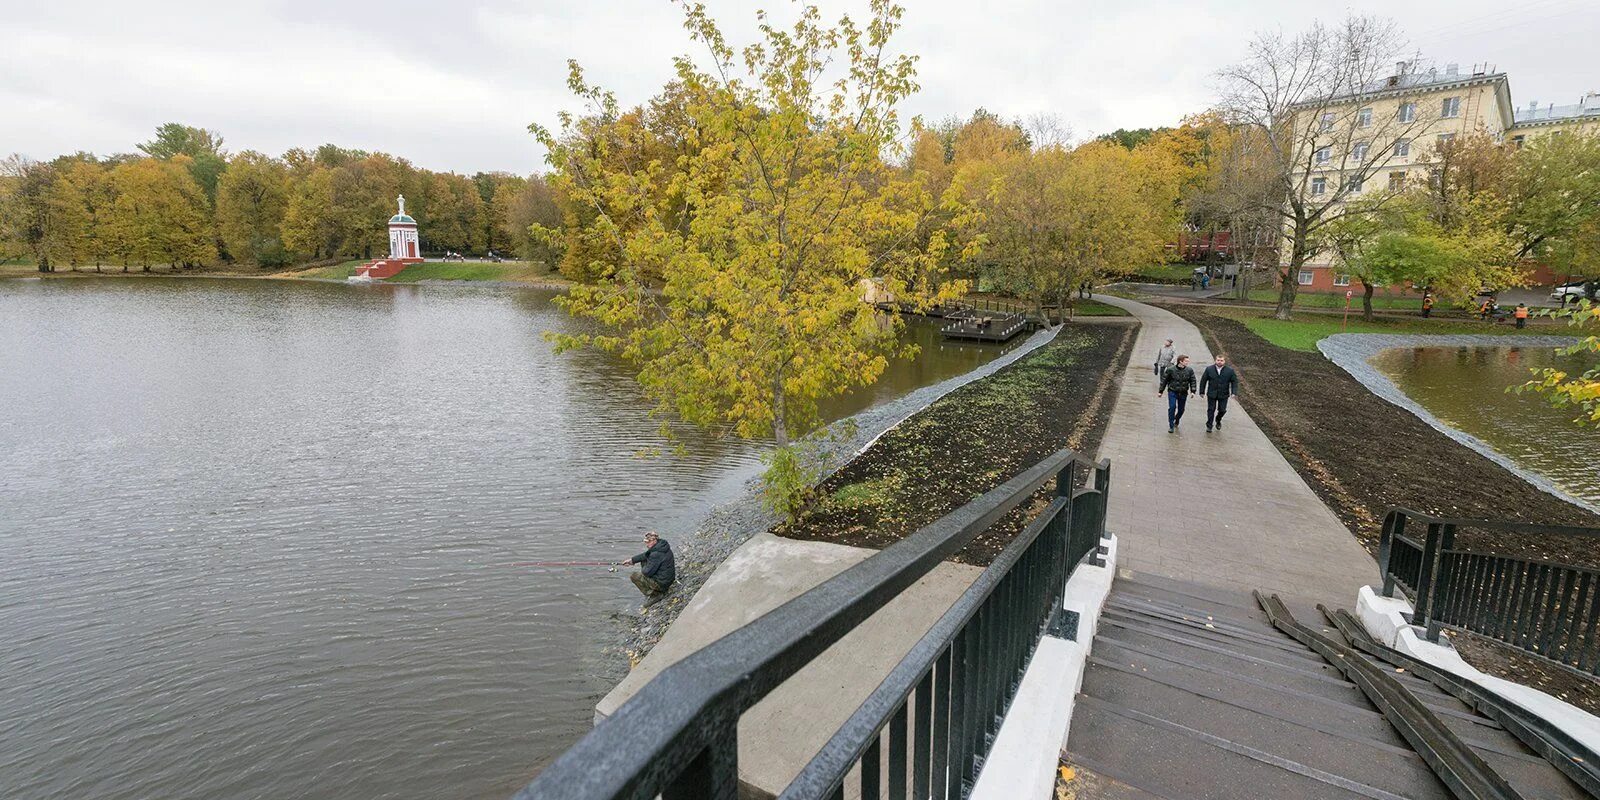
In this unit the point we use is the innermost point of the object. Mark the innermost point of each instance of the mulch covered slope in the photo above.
(1363, 455)
(970, 441)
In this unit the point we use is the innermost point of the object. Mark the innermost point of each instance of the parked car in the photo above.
(1572, 292)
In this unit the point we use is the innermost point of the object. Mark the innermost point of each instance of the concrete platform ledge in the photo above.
(1381, 617)
(1028, 747)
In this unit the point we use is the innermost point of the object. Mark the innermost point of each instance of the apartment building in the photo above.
(1381, 137)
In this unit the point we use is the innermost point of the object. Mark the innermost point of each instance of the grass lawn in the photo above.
(1322, 300)
(337, 272)
(1095, 308)
(1303, 332)
(475, 271)
(1163, 273)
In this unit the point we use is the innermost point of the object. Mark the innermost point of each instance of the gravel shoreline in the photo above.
(1354, 351)
(731, 524)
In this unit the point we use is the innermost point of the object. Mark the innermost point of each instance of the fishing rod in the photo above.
(611, 564)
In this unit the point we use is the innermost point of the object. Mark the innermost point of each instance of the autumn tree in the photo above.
(159, 215)
(532, 207)
(732, 278)
(311, 226)
(203, 148)
(1054, 219)
(28, 219)
(252, 198)
(1565, 390)
(1300, 97)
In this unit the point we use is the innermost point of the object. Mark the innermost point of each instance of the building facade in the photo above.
(1382, 137)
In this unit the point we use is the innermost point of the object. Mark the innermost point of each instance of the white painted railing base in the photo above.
(1022, 763)
(1381, 617)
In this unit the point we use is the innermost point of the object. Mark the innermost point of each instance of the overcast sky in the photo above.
(453, 85)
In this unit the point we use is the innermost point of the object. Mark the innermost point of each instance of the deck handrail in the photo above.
(677, 737)
(1545, 608)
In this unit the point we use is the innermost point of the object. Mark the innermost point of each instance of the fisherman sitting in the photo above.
(658, 572)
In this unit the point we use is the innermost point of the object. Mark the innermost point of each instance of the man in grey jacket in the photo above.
(658, 572)
(1164, 358)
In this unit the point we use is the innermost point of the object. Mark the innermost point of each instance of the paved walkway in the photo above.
(1223, 508)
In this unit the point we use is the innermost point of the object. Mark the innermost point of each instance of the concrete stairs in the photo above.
(1190, 692)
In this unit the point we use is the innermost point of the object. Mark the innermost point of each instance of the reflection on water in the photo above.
(255, 534)
(1465, 387)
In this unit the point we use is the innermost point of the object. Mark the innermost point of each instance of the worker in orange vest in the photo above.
(1522, 315)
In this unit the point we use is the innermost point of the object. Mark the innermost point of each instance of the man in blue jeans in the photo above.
(1178, 382)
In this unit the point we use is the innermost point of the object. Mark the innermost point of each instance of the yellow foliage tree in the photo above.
(1574, 391)
(732, 276)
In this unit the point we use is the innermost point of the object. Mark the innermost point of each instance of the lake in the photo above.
(257, 536)
(1465, 387)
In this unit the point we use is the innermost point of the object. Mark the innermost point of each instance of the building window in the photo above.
(1359, 151)
(1397, 180)
(1324, 154)
(1319, 185)
(1304, 277)
(1444, 138)
(1341, 279)
(1408, 112)
(1327, 121)
(1451, 107)
(1352, 184)
(1402, 148)
(1364, 118)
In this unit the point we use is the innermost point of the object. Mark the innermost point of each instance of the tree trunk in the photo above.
(1291, 277)
(1366, 301)
(780, 426)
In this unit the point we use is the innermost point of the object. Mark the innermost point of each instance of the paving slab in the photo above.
(1223, 508)
(782, 732)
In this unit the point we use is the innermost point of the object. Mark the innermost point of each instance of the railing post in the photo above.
(1442, 580)
(714, 773)
(1422, 609)
(1393, 525)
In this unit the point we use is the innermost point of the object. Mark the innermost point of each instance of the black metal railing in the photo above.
(678, 736)
(1545, 608)
(930, 723)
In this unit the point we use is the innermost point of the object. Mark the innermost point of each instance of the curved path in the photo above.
(1222, 508)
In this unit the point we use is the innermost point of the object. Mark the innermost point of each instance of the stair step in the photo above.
(1283, 649)
(1225, 602)
(1126, 685)
(1156, 606)
(1386, 763)
(1120, 644)
(1160, 757)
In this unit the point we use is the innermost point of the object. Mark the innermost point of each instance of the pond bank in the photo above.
(878, 431)
(970, 441)
(1363, 455)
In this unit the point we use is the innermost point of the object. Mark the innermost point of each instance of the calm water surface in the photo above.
(1465, 387)
(255, 536)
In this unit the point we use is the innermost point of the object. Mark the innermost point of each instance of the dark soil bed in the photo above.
(1363, 455)
(970, 441)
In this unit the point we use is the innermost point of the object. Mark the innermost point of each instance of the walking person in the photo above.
(1178, 382)
(1164, 358)
(1427, 305)
(1521, 314)
(658, 572)
(1218, 383)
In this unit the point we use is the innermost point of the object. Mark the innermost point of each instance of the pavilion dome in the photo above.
(399, 219)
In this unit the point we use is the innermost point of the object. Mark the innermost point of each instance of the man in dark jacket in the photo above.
(1178, 382)
(658, 572)
(1218, 383)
